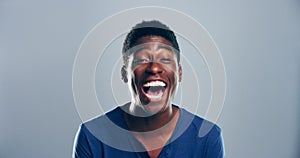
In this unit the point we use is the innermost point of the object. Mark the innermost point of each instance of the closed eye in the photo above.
(166, 60)
(141, 61)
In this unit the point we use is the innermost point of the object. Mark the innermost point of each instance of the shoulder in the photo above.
(204, 127)
(207, 136)
(101, 126)
(98, 123)
(114, 116)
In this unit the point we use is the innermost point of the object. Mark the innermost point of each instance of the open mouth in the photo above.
(154, 90)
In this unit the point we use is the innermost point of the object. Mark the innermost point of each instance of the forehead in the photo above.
(152, 43)
(153, 39)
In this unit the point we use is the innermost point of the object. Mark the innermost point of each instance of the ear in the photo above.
(180, 72)
(124, 74)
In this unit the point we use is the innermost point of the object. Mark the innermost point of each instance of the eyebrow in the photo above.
(165, 47)
(159, 47)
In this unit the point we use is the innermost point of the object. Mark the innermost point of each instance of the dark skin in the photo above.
(153, 62)
(151, 123)
(154, 141)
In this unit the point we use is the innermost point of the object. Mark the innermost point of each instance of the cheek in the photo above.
(173, 74)
(137, 75)
(174, 77)
(137, 71)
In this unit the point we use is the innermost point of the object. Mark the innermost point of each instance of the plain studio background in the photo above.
(258, 40)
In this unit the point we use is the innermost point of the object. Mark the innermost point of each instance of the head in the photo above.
(151, 66)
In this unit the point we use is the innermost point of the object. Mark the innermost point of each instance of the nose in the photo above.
(154, 68)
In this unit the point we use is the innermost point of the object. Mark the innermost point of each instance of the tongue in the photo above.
(154, 91)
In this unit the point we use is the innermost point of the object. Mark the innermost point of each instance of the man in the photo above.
(150, 125)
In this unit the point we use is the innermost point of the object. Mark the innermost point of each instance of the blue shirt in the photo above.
(107, 137)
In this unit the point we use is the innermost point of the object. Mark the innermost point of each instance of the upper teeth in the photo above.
(154, 83)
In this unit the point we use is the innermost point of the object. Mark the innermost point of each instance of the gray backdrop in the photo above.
(259, 41)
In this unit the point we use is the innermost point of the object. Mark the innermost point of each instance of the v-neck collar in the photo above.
(136, 145)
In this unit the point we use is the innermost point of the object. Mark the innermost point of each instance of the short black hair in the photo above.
(148, 28)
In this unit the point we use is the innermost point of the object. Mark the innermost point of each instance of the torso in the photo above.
(155, 140)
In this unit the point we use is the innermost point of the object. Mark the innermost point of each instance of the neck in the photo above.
(153, 122)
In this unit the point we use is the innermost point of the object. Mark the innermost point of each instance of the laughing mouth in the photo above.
(154, 90)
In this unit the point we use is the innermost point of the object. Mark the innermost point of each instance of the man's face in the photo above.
(153, 74)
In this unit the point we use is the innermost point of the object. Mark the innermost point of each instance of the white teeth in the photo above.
(154, 83)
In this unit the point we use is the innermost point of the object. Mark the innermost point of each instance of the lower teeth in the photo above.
(154, 95)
